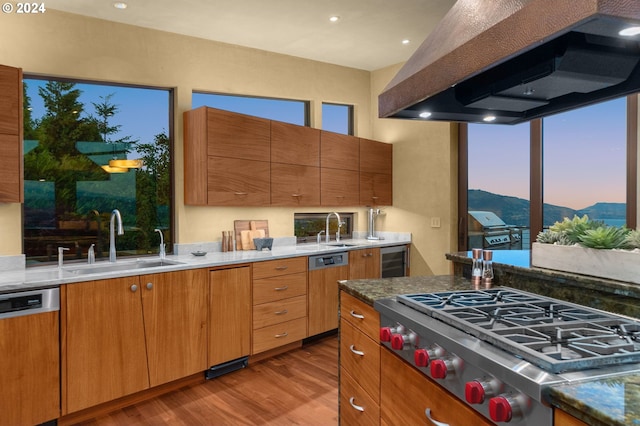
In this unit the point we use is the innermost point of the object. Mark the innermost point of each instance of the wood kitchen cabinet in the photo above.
(376, 170)
(124, 335)
(323, 298)
(11, 163)
(229, 314)
(364, 263)
(339, 165)
(561, 418)
(279, 303)
(30, 383)
(227, 158)
(405, 394)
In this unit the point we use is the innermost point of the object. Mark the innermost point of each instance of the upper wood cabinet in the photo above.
(292, 144)
(11, 163)
(339, 151)
(227, 158)
(376, 170)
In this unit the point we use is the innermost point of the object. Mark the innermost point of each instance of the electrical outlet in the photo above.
(435, 222)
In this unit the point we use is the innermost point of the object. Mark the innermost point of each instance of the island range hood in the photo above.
(510, 61)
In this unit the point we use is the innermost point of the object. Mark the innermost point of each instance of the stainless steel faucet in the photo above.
(161, 252)
(327, 228)
(115, 214)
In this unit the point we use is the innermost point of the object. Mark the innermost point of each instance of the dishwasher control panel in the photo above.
(328, 260)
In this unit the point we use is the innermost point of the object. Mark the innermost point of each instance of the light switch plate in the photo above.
(435, 222)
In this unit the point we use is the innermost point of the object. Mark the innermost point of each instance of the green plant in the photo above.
(604, 237)
(553, 237)
(632, 240)
(574, 228)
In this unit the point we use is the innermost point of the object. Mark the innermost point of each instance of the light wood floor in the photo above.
(296, 388)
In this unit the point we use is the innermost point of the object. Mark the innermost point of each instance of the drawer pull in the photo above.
(240, 193)
(281, 288)
(355, 351)
(281, 268)
(359, 316)
(296, 195)
(285, 334)
(357, 407)
(281, 312)
(427, 413)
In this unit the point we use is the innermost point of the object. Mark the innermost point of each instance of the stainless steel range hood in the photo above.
(517, 60)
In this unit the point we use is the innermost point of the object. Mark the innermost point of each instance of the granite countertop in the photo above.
(601, 402)
(47, 276)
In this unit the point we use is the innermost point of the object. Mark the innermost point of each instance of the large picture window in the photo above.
(89, 149)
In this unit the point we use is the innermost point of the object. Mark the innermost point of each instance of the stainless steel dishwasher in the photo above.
(325, 271)
(30, 346)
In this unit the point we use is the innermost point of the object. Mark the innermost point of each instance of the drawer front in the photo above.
(279, 335)
(356, 406)
(278, 288)
(360, 315)
(273, 268)
(279, 311)
(360, 356)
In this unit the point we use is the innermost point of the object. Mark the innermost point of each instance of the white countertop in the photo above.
(39, 277)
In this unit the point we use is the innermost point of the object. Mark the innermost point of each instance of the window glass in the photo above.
(90, 149)
(308, 225)
(285, 110)
(585, 163)
(498, 194)
(337, 118)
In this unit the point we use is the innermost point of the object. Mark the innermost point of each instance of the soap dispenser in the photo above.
(91, 255)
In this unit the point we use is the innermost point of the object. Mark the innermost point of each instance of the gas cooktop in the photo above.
(554, 335)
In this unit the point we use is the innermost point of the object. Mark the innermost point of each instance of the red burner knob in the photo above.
(474, 392)
(438, 369)
(397, 341)
(421, 357)
(385, 334)
(500, 409)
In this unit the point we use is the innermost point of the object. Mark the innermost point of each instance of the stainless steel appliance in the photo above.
(499, 349)
(29, 302)
(322, 261)
(487, 230)
(394, 261)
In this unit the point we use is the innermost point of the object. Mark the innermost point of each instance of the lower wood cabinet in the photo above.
(229, 314)
(364, 263)
(124, 335)
(561, 418)
(405, 394)
(30, 382)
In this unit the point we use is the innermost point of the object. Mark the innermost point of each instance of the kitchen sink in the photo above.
(340, 245)
(103, 268)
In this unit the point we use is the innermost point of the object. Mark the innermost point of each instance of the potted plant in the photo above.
(589, 247)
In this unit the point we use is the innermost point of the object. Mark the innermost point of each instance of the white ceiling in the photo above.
(368, 35)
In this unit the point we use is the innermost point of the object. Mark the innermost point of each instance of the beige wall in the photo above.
(66, 45)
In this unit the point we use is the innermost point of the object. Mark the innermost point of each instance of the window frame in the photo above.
(350, 116)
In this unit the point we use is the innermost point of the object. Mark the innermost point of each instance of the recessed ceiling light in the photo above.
(406, 41)
(424, 114)
(489, 118)
(334, 18)
(630, 31)
(120, 5)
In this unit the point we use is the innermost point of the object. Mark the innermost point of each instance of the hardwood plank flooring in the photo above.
(299, 387)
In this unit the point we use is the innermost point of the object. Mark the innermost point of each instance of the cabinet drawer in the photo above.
(361, 315)
(349, 414)
(279, 311)
(279, 335)
(278, 288)
(273, 268)
(360, 356)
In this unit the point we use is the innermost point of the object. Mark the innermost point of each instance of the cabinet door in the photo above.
(10, 169)
(175, 321)
(229, 314)
(10, 100)
(339, 187)
(30, 383)
(104, 354)
(561, 418)
(418, 394)
(237, 182)
(376, 189)
(323, 298)
(376, 157)
(364, 263)
(291, 144)
(293, 185)
(234, 135)
(339, 151)
(11, 174)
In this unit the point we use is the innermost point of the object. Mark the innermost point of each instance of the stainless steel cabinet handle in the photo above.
(149, 286)
(281, 312)
(359, 316)
(427, 413)
(355, 351)
(281, 288)
(357, 407)
(285, 334)
(134, 288)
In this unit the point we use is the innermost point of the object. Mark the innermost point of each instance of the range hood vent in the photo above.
(518, 60)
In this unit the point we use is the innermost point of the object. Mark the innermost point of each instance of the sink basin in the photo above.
(103, 268)
(340, 245)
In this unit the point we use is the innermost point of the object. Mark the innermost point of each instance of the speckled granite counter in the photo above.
(598, 402)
